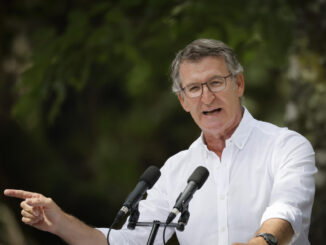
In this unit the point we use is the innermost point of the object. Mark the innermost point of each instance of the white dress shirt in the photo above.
(264, 172)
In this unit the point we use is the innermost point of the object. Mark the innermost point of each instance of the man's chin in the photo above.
(213, 128)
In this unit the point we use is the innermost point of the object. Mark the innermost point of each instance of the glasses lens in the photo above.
(216, 85)
(193, 90)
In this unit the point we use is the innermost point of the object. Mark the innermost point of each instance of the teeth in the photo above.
(212, 111)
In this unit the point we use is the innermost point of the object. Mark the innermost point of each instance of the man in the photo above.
(261, 184)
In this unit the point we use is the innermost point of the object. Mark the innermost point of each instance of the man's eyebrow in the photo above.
(193, 83)
(208, 80)
(215, 76)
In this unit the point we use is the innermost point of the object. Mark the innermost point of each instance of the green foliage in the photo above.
(112, 44)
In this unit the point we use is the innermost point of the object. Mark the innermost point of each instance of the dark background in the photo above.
(86, 102)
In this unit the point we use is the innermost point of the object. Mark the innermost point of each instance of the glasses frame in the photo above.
(206, 83)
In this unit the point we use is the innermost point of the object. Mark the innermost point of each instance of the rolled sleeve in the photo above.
(294, 187)
(286, 212)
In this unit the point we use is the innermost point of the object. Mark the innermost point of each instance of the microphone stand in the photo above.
(180, 226)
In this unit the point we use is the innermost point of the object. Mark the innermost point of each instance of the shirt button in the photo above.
(222, 197)
(223, 229)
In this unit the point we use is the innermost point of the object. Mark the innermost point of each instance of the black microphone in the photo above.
(146, 181)
(195, 182)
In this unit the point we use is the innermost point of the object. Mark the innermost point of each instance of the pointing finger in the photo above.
(20, 193)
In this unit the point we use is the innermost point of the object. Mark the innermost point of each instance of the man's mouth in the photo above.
(217, 110)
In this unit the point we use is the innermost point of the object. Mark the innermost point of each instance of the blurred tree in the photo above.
(306, 108)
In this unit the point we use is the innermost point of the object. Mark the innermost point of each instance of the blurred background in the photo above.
(86, 102)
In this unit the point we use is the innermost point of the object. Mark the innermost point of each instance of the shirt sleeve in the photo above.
(155, 207)
(293, 168)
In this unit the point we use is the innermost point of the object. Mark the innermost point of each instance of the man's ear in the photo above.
(183, 102)
(240, 84)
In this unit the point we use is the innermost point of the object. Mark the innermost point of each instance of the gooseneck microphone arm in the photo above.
(195, 182)
(146, 181)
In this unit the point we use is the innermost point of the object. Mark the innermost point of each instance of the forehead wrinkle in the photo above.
(201, 71)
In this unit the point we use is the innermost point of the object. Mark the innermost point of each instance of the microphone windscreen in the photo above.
(150, 176)
(199, 176)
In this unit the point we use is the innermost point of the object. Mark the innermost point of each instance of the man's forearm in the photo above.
(280, 228)
(75, 232)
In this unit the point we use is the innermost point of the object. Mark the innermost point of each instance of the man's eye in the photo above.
(215, 83)
(194, 88)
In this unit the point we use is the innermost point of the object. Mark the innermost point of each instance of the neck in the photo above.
(216, 142)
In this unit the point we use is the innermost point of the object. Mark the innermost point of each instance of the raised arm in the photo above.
(44, 214)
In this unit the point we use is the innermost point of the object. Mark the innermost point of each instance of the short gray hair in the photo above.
(199, 49)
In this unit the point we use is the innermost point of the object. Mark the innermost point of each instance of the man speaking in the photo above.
(260, 187)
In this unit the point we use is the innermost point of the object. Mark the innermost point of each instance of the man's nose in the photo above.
(207, 95)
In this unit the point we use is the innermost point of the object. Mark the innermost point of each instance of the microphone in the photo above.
(195, 182)
(146, 181)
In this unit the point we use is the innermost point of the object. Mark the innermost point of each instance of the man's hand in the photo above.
(37, 210)
(44, 214)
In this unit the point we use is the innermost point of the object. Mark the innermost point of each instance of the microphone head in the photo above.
(199, 176)
(150, 176)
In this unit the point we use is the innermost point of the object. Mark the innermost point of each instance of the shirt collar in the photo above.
(240, 135)
(243, 131)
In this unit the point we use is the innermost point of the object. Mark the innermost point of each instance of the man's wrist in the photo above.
(257, 241)
(268, 237)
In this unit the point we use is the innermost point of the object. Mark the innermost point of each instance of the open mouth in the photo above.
(212, 111)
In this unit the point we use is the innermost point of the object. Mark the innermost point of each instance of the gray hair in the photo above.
(199, 49)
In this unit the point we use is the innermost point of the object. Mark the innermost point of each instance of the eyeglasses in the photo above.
(215, 85)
